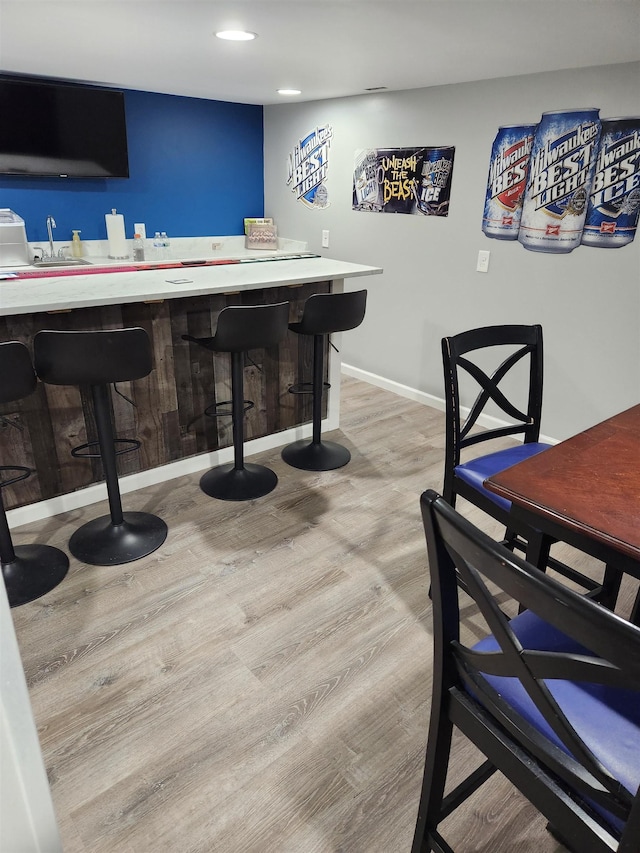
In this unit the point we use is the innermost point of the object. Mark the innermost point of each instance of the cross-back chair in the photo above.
(551, 697)
(488, 360)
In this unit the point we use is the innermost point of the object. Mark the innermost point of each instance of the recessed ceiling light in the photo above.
(289, 92)
(236, 35)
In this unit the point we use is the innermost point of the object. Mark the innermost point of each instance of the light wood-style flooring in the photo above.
(261, 683)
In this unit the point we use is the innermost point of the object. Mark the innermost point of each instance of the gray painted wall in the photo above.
(588, 301)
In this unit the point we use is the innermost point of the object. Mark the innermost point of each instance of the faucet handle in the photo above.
(61, 253)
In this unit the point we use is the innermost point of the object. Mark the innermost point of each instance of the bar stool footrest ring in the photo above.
(305, 387)
(133, 443)
(25, 472)
(211, 412)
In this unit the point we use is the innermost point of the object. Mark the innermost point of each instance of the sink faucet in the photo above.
(51, 223)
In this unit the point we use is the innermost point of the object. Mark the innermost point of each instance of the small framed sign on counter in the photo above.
(261, 236)
(254, 220)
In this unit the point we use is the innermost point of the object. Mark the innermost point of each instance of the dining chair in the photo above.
(551, 698)
(502, 367)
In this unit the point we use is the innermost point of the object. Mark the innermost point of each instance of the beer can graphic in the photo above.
(561, 168)
(367, 193)
(507, 179)
(614, 201)
(432, 195)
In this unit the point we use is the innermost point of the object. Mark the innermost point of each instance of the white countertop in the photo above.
(61, 292)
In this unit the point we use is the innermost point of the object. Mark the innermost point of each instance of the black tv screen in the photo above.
(61, 130)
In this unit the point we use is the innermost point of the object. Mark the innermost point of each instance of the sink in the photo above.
(62, 262)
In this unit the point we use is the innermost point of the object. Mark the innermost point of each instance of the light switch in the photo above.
(483, 261)
(325, 239)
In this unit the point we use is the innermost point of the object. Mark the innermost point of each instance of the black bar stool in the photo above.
(241, 328)
(323, 314)
(29, 571)
(98, 359)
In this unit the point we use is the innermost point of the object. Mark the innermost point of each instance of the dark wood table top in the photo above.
(589, 484)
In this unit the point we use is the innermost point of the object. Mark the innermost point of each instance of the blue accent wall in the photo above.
(195, 169)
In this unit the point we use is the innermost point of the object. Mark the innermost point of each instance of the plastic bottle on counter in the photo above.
(138, 248)
(76, 245)
(157, 246)
(166, 246)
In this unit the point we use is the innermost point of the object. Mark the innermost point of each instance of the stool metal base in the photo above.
(228, 483)
(315, 456)
(36, 570)
(102, 543)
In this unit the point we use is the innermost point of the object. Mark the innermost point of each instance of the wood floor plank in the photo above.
(261, 683)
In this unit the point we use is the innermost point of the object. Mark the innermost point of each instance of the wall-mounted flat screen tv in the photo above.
(61, 130)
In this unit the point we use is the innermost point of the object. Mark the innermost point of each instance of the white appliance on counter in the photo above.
(14, 249)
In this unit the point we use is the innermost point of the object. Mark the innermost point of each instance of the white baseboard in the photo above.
(131, 482)
(395, 387)
(487, 421)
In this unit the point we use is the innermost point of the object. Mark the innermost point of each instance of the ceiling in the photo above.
(326, 48)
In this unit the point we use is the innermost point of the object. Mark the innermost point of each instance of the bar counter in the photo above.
(166, 409)
(94, 285)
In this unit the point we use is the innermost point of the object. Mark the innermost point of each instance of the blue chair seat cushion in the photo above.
(606, 718)
(475, 471)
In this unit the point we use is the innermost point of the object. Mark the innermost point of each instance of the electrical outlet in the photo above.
(483, 261)
(141, 229)
(325, 239)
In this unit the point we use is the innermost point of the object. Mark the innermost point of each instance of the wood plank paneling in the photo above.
(164, 411)
(15, 444)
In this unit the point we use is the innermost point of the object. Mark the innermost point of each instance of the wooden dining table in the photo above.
(584, 491)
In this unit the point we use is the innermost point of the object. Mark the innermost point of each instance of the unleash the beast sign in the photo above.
(403, 180)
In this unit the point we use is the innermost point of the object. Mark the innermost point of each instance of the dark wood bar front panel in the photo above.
(165, 411)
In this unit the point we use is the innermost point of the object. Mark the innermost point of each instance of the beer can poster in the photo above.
(403, 180)
(507, 178)
(307, 168)
(582, 182)
(614, 202)
(561, 167)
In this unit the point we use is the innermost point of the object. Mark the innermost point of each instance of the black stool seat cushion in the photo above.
(325, 313)
(92, 358)
(244, 327)
(17, 377)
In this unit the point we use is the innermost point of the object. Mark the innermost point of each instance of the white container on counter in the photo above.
(115, 235)
(14, 249)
